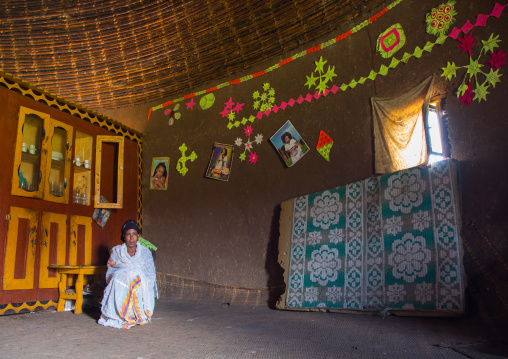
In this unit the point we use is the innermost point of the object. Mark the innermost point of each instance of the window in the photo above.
(437, 134)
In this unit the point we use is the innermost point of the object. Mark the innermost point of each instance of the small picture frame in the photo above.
(289, 144)
(101, 215)
(159, 173)
(221, 160)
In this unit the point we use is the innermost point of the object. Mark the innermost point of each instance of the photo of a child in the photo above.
(289, 144)
(159, 173)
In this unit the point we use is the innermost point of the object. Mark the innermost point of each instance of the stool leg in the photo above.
(61, 290)
(79, 294)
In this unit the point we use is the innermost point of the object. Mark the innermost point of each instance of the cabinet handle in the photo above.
(45, 243)
(45, 151)
(46, 231)
(74, 242)
(33, 242)
(74, 232)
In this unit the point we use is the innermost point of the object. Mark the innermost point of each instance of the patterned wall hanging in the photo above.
(207, 101)
(180, 165)
(472, 87)
(253, 157)
(440, 19)
(265, 100)
(391, 40)
(386, 243)
(324, 145)
(322, 76)
(231, 110)
(173, 114)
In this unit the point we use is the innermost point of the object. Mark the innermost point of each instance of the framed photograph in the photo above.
(289, 144)
(221, 161)
(159, 173)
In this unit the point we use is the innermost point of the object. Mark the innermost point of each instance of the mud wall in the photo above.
(227, 232)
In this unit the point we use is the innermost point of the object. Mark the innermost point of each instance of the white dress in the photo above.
(129, 297)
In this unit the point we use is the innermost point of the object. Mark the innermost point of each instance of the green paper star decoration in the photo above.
(474, 71)
(323, 77)
(449, 71)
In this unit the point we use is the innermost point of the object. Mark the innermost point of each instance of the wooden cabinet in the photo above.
(29, 162)
(42, 159)
(20, 250)
(23, 242)
(47, 199)
(116, 143)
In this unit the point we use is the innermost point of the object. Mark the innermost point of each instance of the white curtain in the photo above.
(399, 129)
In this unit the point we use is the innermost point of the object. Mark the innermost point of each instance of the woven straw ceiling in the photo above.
(115, 53)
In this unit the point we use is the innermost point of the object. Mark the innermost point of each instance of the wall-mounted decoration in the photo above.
(440, 18)
(159, 173)
(253, 157)
(301, 54)
(474, 74)
(289, 144)
(323, 77)
(221, 160)
(101, 215)
(190, 104)
(265, 100)
(207, 101)
(180, 165)
(173, 114)
(324, 145)
(390, 41)
(231, 110)
(481, 20)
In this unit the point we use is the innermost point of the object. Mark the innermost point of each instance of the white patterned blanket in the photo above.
(384, 244)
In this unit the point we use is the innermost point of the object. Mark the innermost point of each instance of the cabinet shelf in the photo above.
(81, 169)
(29, 158)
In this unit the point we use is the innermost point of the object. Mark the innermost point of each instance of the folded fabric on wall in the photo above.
(383, 244)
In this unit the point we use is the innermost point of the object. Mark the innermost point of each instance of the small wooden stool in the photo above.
(80, 271)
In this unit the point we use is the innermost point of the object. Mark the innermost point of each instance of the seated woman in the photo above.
(129, 297)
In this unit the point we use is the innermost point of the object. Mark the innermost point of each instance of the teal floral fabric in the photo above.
(390, 242)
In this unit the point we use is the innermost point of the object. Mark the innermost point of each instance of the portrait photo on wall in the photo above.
(159, 174)
(221, 161)
(289, 144)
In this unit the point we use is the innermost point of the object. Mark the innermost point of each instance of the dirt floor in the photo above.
(213, 331)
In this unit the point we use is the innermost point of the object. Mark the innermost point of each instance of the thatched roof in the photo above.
(115, 53)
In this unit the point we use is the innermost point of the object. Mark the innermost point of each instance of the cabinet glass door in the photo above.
(58, 162)
(29, 157)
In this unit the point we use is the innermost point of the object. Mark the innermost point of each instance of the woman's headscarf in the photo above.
(130, 224)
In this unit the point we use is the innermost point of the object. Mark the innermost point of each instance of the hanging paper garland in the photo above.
(180, 165)
(391, 40)
(284, 62)
(440, 19)
(324, 145)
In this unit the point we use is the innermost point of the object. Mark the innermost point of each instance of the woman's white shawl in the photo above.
(129, 297)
